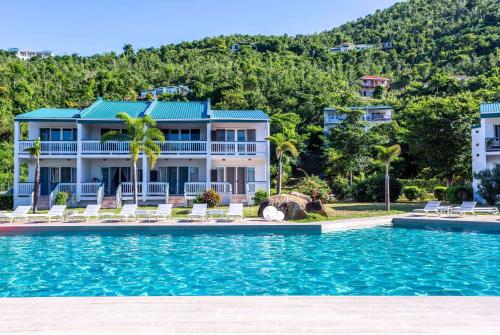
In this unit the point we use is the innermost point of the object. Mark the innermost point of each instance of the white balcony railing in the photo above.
(25, 189)
(183, 147)
(239, 148)
(222, 187)
(89, 189)
(194, 188)
(110, 147)
(50, 147)
(128, 190)
(156, 189)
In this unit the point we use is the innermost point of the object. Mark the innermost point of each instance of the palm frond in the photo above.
(112, 135)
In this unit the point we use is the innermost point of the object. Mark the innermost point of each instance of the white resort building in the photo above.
(373, 115)
(204, 149)
(486, 142)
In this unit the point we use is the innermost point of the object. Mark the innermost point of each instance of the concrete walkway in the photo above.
(347, 315)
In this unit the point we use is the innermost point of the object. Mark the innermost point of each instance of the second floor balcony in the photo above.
(50, 148)
(492, 144)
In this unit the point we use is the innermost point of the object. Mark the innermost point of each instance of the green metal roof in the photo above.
(177, 110)
(238, 115)
(50, 113)
(490, 108)
(102, 109)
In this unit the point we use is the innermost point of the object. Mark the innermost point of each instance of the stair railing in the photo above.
(100, 194)
(52, 196)
(119, 196)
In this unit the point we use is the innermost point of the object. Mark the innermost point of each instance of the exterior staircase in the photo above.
(109, 202)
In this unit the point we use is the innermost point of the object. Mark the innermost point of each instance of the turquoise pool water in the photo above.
(379, 261)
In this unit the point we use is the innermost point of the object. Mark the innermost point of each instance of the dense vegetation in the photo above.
(444, 62)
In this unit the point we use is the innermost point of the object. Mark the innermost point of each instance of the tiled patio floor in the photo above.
(152, 315)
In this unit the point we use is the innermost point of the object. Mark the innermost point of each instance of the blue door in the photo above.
(44, 181)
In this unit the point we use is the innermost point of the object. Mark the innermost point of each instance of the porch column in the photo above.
(78, 161)
(268, 159)
(209, 155)
(145, 175)
(17, 133)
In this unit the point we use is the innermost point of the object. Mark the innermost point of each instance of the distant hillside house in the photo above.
(363, 47)
(237, 46)
(386, 45)
(373, 115)
(344, 47)
(179, 89)
(370, 83)
(28, 54)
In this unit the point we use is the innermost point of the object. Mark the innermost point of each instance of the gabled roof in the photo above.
(238, 115)
(50, 113)
(489, 107)
(374, 77)
(103, 109)
(177, 110)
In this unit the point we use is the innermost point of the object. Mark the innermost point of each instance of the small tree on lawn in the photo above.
(282, 146)
(387, 155)
(35, 152)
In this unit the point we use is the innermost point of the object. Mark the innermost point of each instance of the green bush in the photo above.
(414, 192)
(61, 198)
(211, 198)
(489, 185)
(373, 189)
(6, 201)
(427, 184)
(315, 187)
(341, 188)
(440, 193)
(259, 197)
(459, 193)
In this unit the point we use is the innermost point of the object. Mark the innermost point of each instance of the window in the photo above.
(195, 135)
(45, 134)
(55, 134)
(193, 174)
(497, 131)
(67, 135)
(185, 135)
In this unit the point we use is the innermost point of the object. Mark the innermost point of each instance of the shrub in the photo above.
(314, 187)
(414, 192)
(6, 201)
(211, 198)
(459, 193)
(61, 198)
(373, 189)
(259, 197)
(489, 185)
(440, 193)
(427, 184)
(341, 188)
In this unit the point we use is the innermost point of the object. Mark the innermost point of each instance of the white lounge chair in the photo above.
(21, 212)
(163, 211)
(127, 212)
(487, 210)
(430, 207)
(465, 207)
(235, 211)
(199, 212)
(91, 211)
(55, 212)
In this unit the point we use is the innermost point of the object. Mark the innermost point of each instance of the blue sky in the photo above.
(95, 26)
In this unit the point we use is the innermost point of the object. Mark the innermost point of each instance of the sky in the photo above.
(88, 27)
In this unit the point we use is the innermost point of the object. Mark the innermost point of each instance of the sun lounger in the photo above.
(465, 207)
(199, 212)
(91, 211)
(21, 213)
(55, 212)
(431, 207)
(163, 211)
(487, 210)
(235, 211)
(127, 212)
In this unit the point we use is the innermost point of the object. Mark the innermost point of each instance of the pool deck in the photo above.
(332, 315)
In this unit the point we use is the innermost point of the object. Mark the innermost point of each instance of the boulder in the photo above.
(301, 195)
(316, 206)
(293, 206)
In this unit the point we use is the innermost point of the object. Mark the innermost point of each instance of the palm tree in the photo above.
(283, 146)
(35, 152)
(143, 136)
(387, 155)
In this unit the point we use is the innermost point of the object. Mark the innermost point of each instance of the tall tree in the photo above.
(282, 146)
(143, 136)
(387, 155)
(35, 152)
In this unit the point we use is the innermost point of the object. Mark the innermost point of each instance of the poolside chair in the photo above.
(21, 213)
(465, 207)
(430, 207)
(235, 211)
(486, 210)
(163, 211)
(127, 212)
(91, 211)
(55, 212)
(199, 212)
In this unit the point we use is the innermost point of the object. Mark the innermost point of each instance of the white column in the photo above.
(78, 161)
(17, 133)
(145, 175)
(209, 155)
(268, 155)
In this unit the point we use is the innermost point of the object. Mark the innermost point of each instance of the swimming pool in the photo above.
(378, 261)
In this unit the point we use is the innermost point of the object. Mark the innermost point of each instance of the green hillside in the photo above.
(444, 62)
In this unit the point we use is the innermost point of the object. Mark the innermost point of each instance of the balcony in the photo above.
(50, 148)
(239, 148)
(123, 147)
(493, 144)
(378, 118)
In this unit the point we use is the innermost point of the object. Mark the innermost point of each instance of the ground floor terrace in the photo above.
(172, 179)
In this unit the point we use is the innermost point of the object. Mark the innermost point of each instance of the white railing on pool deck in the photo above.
(183, 147)
(239, 148)
(109, 147)
(50, 147)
